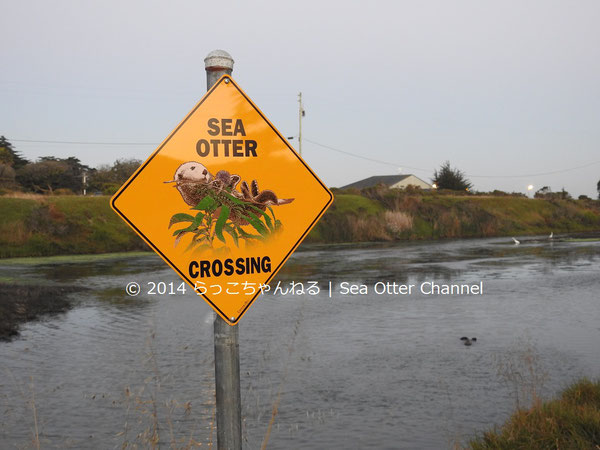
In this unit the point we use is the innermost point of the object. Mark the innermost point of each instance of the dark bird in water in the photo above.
(468, 341)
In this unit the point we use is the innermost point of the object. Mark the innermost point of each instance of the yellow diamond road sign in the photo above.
(224, 200)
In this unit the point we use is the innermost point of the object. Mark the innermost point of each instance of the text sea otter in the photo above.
(236, 148)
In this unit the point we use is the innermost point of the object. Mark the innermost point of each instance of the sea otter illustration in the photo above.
(194, 181)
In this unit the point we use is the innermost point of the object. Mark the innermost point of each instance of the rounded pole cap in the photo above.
(218, 60)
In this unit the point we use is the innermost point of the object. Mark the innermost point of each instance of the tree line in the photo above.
(453, 179)
(52, 175)
(49, 175)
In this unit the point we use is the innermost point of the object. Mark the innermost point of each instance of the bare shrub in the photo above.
(397, 221)
(368, 229)
(447, 224)
(521, 369)
(48, 219)
(410, 203)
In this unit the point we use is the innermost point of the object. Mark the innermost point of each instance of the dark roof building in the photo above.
(392, 181)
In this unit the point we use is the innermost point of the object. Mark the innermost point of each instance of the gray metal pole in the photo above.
(227, 386)
(227, 348)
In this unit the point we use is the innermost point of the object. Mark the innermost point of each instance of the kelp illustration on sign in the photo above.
(222, 209)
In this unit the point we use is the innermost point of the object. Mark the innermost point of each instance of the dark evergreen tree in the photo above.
(51, 173)
(449, 178)
(9, 156)
(43, 176)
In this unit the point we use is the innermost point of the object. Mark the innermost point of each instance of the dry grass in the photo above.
(25, 195)
(449, 215)
(30, 403)
(397, 221)
(17, 231)
(368, 229)
(275, 408)
(521, 369)
(570, 422)
(36, 431)
(151, 421)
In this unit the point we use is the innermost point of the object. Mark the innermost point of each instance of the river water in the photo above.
(341, 371)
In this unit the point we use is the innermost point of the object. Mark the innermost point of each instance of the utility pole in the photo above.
(226, 337)
(300, 115)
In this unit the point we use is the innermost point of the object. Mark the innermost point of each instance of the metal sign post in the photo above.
(227, 385)
(227, 348)
(224, 200)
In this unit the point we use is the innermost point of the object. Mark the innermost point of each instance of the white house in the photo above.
(392, 181)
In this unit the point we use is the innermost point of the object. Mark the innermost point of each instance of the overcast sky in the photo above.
(500, 89)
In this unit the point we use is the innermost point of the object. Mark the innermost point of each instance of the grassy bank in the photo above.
(382, 214)
(44, 226)
(570, 421)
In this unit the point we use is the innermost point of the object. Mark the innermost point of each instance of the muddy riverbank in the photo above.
(21, 303)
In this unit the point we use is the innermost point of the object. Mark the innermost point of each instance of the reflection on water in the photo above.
(354, 371)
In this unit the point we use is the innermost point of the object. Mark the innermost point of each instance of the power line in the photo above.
(83, 142)
(536, 174)
(468, 174)
(364, 157)
(354, 155)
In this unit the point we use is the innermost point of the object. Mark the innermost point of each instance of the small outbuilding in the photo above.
(391, 181)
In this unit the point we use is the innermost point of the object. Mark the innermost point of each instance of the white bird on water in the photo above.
(551, 235)
(516, 242)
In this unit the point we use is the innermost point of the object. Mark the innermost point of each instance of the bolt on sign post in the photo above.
(224, 200)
